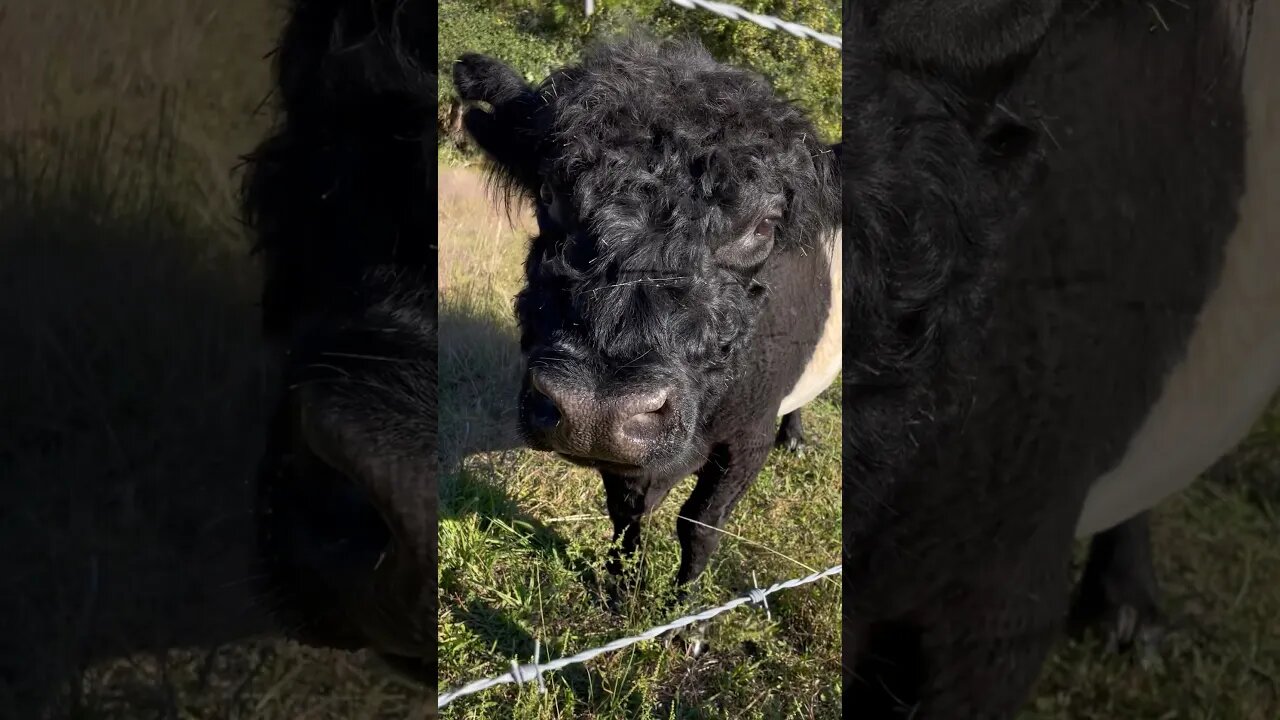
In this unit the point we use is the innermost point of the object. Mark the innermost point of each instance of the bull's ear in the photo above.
(970, 51)
(480, 78)
(507, 132)
(962, 37)
(826, 161)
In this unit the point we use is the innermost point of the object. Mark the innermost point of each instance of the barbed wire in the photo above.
(734, 12)
(530, 672)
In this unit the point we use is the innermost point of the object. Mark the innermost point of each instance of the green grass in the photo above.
(523, 537)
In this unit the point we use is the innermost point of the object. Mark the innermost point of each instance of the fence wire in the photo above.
(530, 672)
(734, 12)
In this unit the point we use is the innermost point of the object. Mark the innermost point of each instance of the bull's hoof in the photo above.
(690, 640)
(1129, 629)
(793, 445)
(1118, 592)
(1125, 614)
(791, 434)
(1143, 637)
(621, 589)
(618, 596)
(615, 601)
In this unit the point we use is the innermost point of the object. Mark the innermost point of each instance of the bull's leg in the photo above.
(722, 482)
(628, 500)
(1118, 590)
(975, 654)
(791, 433)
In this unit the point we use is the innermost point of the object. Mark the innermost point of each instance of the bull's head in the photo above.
(339, 198)
(665, 185)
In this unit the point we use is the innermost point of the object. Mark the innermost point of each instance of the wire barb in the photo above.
(521, 674)
(758, 596)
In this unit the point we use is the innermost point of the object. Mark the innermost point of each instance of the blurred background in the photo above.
(132, 381)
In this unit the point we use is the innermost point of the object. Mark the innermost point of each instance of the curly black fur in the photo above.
(934, 179)
(649, 163)
(338, 199)
(339, 188)
(934, 175)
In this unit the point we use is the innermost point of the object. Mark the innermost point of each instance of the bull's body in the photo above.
(1129, 336)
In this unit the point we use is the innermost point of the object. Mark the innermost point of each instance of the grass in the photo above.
(133, 385)
(523, 537)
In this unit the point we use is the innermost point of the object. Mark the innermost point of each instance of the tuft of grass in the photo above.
(523, 537)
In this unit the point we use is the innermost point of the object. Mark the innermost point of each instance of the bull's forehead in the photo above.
(671, 123)
(639, 295)
(643, 303)
(654, 318)
(645, 196)
(617, 264)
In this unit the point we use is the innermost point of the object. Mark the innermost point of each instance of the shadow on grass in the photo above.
(479, 379)
(130, 422)
(515, 642)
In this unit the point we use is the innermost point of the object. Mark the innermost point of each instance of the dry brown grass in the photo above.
(480, 253)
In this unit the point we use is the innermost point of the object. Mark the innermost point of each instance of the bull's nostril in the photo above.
(543, 411)
(643, 427)
(346, 526)
(647, 416)
(546, 402)
(652, 403)
(539, 384)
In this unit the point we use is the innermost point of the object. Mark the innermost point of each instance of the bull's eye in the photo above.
(549, 209)
(751, 248)
(552, 205)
